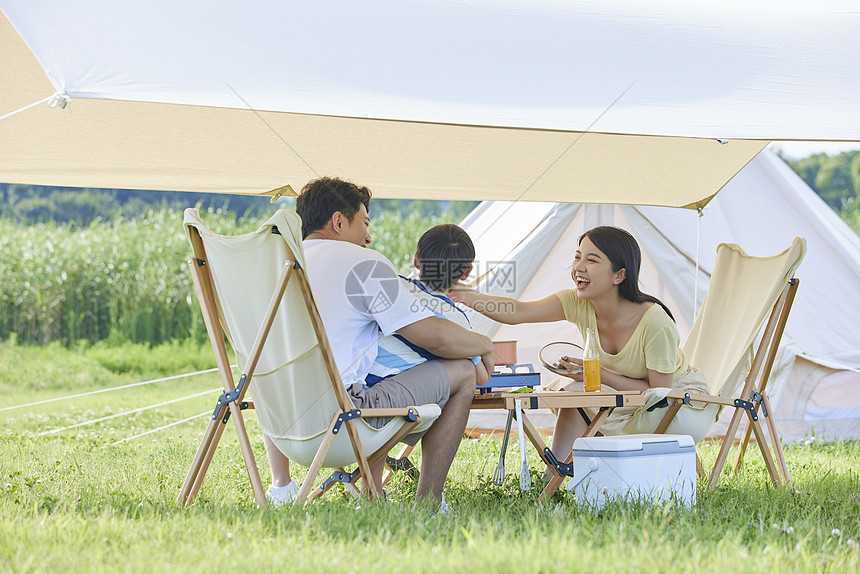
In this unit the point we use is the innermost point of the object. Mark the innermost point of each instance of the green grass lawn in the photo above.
(71, 502)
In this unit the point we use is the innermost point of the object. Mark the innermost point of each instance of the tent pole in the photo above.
(698, 247)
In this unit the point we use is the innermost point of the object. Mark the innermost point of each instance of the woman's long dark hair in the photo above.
(624, 253)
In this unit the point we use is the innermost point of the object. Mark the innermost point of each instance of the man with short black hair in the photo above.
(359, 296)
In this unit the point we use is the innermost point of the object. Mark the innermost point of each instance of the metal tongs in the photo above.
(525, 478)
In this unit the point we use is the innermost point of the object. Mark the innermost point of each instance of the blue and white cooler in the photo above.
(647, 467)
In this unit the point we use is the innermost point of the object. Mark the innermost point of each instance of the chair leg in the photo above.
(248, 455)
(724, 450)
(700, 470)
(208, 446)
(350, 487)
(207, 459)
(404, 453)
(362, 459)
(669, 416)
(323, 488)
(742, 449)
(775, 461)
(774, 437)
(195, 470)
(761, 439)
(316, 465)
(326, 486)
(370, 460)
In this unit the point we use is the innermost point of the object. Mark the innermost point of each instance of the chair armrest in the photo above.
(701, 397)
(393, 412)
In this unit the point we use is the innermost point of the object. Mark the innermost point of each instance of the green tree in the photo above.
(807, 168)
(851, 214)
(83, 206)
(855, 173)
(834, 182)
(33, 210)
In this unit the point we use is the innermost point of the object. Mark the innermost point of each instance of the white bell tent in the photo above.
(525, 251)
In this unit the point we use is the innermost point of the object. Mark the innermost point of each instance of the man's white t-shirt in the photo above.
(358, 294)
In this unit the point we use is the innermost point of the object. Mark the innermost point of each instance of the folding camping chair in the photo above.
(254, 287)
(742, 292)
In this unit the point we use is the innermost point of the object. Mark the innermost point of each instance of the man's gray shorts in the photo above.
(422, 385)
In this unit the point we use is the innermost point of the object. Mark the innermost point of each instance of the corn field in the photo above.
(126, 279)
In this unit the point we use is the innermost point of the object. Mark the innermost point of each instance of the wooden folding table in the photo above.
(604, 401)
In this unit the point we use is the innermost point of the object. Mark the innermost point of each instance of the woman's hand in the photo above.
(572, 366)
(460, 293)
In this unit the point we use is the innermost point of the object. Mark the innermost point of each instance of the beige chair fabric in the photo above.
(741, 295)
(292, 391)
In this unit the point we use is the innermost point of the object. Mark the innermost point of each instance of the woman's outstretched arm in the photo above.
(507, 310)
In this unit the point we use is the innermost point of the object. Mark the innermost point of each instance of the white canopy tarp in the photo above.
(526, 250)
(443, 100)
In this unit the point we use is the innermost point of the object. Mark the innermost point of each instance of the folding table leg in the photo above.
(594, 427)
(556, 480)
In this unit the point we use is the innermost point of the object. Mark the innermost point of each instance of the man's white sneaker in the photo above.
(444, 509)
(278, 496)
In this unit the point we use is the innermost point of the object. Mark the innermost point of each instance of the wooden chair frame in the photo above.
(752, 396)
(232, 402)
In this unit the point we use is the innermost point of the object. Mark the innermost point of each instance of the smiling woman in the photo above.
(637, 340)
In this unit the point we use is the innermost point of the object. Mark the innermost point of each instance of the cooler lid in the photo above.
(630, 442)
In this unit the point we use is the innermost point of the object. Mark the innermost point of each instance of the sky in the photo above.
(802, 5)
(801, 149)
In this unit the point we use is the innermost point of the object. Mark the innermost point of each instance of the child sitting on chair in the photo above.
(443, 257)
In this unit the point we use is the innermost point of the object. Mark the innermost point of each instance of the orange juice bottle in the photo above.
(591, 363)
